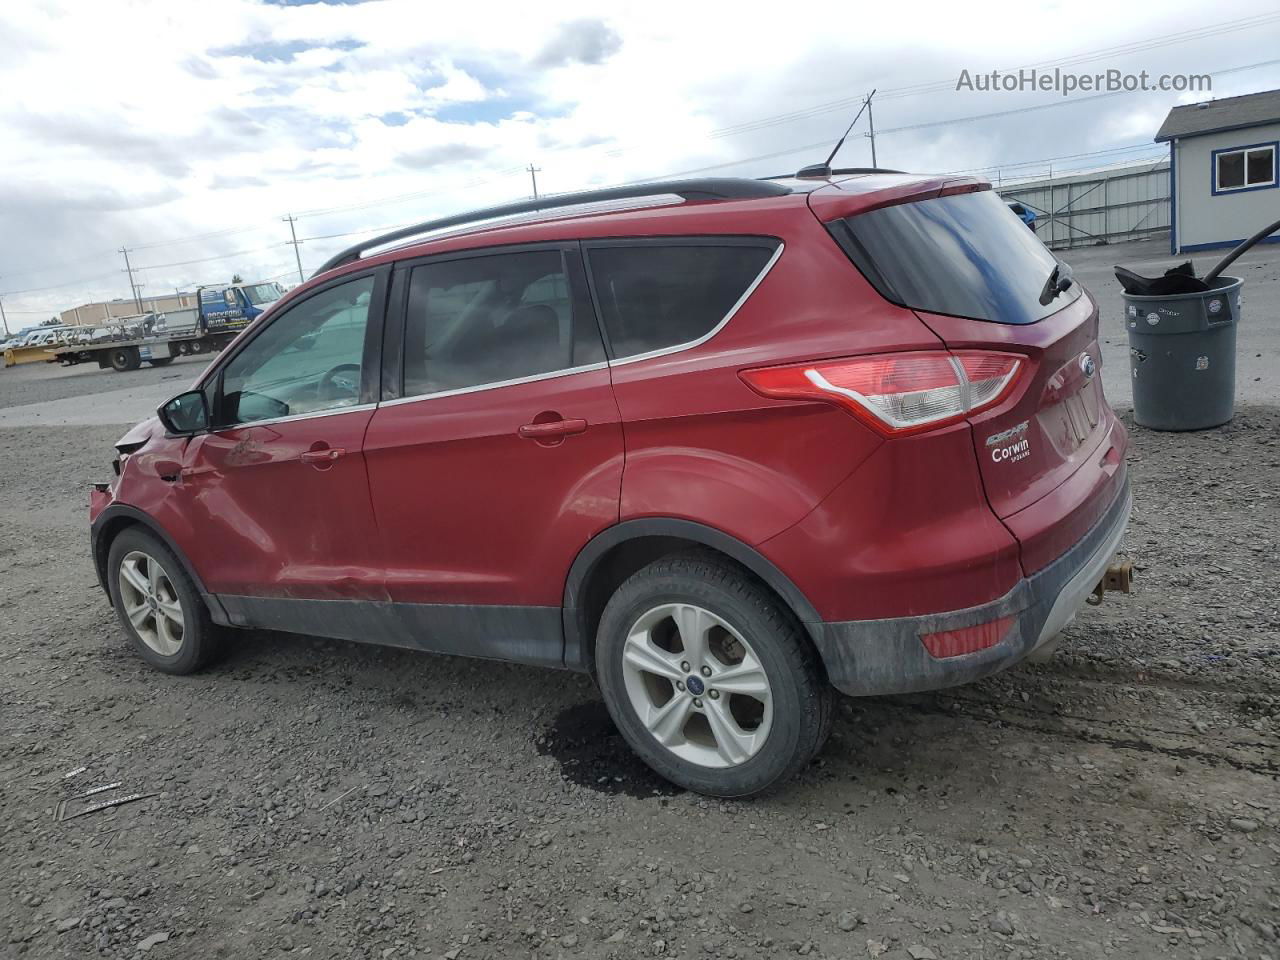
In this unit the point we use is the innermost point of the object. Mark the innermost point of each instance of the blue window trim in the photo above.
(1213, 168)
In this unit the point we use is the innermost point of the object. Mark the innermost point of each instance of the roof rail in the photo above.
(707, 188)
(818, 171)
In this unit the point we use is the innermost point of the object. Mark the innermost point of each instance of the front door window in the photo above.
(308, 360)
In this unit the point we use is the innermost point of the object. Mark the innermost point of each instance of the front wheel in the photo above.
(710, 679)
(125, 358)
(158, 605)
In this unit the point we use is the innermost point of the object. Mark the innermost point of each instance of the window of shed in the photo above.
(1240, 169)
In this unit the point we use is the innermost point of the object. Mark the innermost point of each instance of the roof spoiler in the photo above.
(709, 188)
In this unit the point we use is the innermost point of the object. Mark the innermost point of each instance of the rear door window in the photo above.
(966, 255)
(655, 295)
(485, 320)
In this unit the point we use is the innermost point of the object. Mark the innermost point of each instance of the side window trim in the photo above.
(701, 240)
(370, 372)
(398, 317)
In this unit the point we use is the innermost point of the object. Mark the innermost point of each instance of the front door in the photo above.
(278, 489)
(499, 455)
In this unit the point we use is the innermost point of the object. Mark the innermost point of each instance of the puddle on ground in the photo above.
(592, 754)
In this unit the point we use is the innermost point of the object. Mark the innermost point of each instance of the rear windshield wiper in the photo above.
(1059, 279)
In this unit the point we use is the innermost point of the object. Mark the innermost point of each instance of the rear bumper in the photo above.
(867, 657)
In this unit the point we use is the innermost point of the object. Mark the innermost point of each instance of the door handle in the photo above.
(556, 428)
(321, 457)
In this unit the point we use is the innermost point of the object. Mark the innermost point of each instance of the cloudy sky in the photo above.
(185, 130)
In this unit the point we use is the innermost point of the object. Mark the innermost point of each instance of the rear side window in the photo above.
(490, 319)
(966, 255)
(655, 295)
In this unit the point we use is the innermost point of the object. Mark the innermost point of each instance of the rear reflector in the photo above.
(897, 393)
(956, 643)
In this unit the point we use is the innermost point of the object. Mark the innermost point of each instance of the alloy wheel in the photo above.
(697, 686)
(151, 603)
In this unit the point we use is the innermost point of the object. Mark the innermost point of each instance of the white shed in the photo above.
(1224, 182)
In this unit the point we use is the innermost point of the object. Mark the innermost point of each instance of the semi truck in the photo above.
(220, 313)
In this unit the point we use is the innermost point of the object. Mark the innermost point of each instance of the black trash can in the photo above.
(1182, 356)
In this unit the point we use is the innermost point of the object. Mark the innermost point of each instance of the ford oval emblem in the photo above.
(1087, 366)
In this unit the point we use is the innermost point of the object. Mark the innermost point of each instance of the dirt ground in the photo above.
(324, 799)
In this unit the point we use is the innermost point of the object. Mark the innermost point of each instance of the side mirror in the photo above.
(185, 414)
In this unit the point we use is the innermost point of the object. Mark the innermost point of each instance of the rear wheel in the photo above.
(158, 604)
(710, 679)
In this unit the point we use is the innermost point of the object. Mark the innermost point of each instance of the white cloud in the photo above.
(141, 122)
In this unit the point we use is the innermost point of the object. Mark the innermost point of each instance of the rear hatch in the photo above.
(1050, 453)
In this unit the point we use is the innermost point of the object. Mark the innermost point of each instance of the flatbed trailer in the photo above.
(122, 355)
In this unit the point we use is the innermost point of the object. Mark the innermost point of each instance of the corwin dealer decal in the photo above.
(1010, 446)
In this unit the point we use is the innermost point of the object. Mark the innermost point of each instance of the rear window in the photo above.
(966, 255)
(657, 295)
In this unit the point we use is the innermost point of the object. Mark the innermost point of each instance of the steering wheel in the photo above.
(340, 383)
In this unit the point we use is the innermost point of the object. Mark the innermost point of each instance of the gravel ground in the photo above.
(323, 799)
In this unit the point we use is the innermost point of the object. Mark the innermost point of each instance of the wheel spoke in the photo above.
(747, 678)
(667, 722)
(693, 624)
(643, 655)
(137, 579)
(172, 610)
(732, 742)
(168, 641)
(156, 575)
(138, 614)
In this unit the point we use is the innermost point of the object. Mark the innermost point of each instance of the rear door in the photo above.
(1051, 454)
(497, 451)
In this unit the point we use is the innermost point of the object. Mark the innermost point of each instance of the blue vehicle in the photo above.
(1024, 213)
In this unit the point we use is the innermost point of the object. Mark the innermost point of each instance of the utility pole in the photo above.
(871, 122)
(291, 220)
(132, 288)
(533, 175)
(4, 319)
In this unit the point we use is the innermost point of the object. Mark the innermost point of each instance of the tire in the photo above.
(196, 346)
(744, 626)
(198, 640)
(125, 358)
(160, 361)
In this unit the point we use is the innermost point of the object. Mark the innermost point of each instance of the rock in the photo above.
(1243, 824)
(848, 920)
(151, 941)
(62, 926)
(1000, 924)
(616, 937)
(919, 952)
(569, 941)
(876, 948)
(745, 907)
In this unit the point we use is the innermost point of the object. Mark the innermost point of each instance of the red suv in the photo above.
(727, 445)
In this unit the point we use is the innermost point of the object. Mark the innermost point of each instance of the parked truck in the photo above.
(220, 313)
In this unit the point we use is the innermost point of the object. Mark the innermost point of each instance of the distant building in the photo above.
(1222, 158)
(105, 311)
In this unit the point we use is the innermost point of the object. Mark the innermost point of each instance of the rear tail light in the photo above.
(956, 643)
(897, 393)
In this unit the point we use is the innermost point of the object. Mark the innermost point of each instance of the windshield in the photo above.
(966, 255)
(263, 292)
